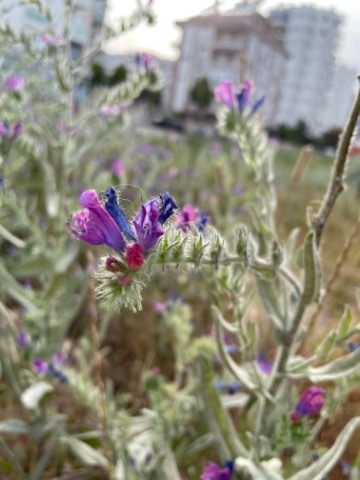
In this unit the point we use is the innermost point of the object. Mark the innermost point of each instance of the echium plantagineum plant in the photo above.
(284, 406)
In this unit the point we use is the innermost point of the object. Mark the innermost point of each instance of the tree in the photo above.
(98, 75)
(119, 75)
(201, 94)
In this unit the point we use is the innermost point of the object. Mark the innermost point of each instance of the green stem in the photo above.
(336, 184)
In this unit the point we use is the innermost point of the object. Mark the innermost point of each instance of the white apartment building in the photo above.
(232, 46)
(310, 36)
(87, 20)
(340, 97)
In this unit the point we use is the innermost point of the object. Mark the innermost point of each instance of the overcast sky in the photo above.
(162, 38)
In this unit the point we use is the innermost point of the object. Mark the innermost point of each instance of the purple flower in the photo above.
(263, 365)
(107, 225)
(243, 95)
(147, 226)
(23, 339)
(186, 217)
(166, 208)
(10, 132)
(94, 224)
(159, 307)
(117, 214)
(257, 104)
(14, 83)
(224, 94)
(190, 216)
(311, 401)
(117, 167)
(214, 472)
(39, 366)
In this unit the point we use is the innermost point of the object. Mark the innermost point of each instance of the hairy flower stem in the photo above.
(336, 184)
(97, 373)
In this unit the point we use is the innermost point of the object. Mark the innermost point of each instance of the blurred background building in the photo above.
(235, 45)
(314, 88)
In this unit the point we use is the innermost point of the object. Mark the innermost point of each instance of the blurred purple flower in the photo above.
(39, 366)
(238, 190)
(94, 225)
(187, 217)
(243, 95)
(214, 472)
(14, 83)
(263, 364)
(10, 132)
(159, 307)
(23, 339)
(224, 94)
(117, 167)
(311, 401)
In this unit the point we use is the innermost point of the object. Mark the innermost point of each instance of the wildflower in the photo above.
(159, 307)
(311, 401)
(113, 265)
(263, 365)
(117, 167)
(243, 95)
(95, 225)
(108, 225)
(214, 472)
(186, 217)
(190, 216)
(14, 83)
(9, 132)
(23, 339)
(167, 207)
(224, 94)
(117, 214)
(134, 256)
(39, 366)
(147, 226)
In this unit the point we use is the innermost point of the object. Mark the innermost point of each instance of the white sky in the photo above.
(162, 38)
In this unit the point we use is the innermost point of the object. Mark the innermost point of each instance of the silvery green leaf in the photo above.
(83, 451)
(326, 346)
(14, 426)
(33, 395)
(319, 469)
(312, 269)
(345, 323)
(289, 249)
(270, 302)
(331, 371)
(230, 327)
(262, 471)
